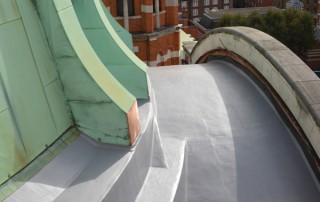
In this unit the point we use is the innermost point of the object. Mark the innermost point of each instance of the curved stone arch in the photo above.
(291, 83)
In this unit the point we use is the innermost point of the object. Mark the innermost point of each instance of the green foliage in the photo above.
(232, 20)
(225, 21)
(307, 37)
(255, 20)
(239, 20)
(299, 30)
(274, 24)
(293, 28)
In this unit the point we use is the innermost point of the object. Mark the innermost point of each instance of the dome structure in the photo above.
(295, 4)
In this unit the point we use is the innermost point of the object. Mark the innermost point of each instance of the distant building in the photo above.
(154, 28)
(280, 3)
(295, 4)
(187, 24)
(209, 20)
(318, 13)
(239, 3)
(257, 3)
(196, 8)
(308, 5)
(312, 56)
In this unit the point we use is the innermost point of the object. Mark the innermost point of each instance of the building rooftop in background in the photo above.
(196, 8)
(153, 25)
(308, 5)
(209, 20)
(241, 11)
(296, 4)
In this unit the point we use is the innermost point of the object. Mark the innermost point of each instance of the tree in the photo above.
(293, 28)
(232, 20)
(274, 24)
(255, 20)
(225, 21)
(306, 37)
(238, 20)
(299, 30)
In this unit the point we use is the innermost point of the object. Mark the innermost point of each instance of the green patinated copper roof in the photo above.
(99, 28)
(33, 111)
(53, 78)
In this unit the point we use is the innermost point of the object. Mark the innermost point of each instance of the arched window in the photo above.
(120, 7)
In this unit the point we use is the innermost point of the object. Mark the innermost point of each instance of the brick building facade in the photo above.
(196, 8)
(312, 56)
(154, 28)
(258, 3)
(308, 5)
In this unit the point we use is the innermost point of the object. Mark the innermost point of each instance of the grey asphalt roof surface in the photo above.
(238, 148)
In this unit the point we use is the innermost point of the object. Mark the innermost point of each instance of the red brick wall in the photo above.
(149, 50)
(113, 7)
(147, 21)
(312, 58)
(137, 7)
(194, 31)
(184, 22)
(172, 15)
(267, 3)
(163, 44)
(162, 4)
(163, 19)
(143, 50)
(134, 24)
(106, 2)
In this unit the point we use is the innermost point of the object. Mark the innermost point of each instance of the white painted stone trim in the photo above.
(164, 58)
(135, 49)
(146, 8)
(172, 3)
